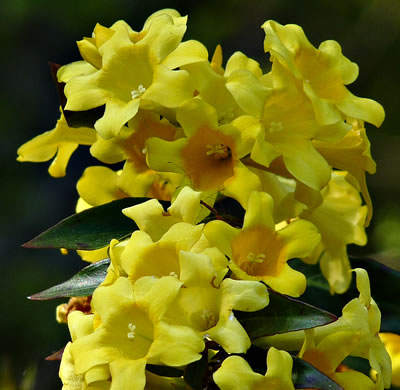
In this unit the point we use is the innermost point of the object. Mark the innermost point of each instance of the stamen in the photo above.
(275, 127)
(173, 274)
(252, 258)
(138, 92)
(219, 151)
(132, 328)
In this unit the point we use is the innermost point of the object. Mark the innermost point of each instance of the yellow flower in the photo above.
(209, 155)
(289, 125)
(340, 220)
(136, 71)
(236, 374)
(141, 256)
(351, 154)
(360, 317)
(258, 252)
(392, 344)
(233, 92)
(151, 218)
(206, 304)
(329, 354)
(129, 332)
(59, 143)
(322, 73)
(97, 378)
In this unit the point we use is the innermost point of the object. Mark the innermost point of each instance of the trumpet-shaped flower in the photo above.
(236, 374)
(233, 92)
(129, 332)
(209, 155)
(206, 304)
(323, 74)
(59, 143)
(151, 218)
(329, 354)
(351, 154)
(289, 127)
(135, 71)
(259, 252)
(140, 256)
(340, 220)
(360, 317)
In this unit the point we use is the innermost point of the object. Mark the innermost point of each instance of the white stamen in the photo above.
(173, 274)
(275, 127)
(132, 328)
(144, 150)
(138, 92)
(231, 317)
(252, 258)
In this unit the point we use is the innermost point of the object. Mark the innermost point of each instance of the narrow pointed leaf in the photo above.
(80, 285)
(90, 229)
(306, 376)
(283, 314)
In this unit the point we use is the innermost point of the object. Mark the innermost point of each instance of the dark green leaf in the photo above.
(167, 371)
(196, 373)
(306, 376)
(80, 285)
(283, 314)
(90, 229)
(226, 209)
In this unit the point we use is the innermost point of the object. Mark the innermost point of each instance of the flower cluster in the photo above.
(287, 145)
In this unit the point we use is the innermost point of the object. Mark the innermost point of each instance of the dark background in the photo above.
(35, 32)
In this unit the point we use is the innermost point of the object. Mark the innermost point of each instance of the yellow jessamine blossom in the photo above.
(209, 155)
(360, 317)
(259, 252)
(59, 143)
(236, 374)
(340, 220)
(128, 332)
(135, 72)
(322, 73)
(206, 304)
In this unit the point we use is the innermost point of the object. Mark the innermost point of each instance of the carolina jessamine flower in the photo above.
(360, 317)
(322, 73)
(234, 91)
(259, 252)
(59, 143)
(128, 332)
(351, 154)
(135, 72)
(141, 256)
(236, 374)
(340, 220)
(209, 155)
(206, 303)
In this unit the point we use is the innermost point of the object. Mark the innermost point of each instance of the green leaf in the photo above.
(306, 376)
(283, 314)
(90, 229)
(167, 371)
(80, 285)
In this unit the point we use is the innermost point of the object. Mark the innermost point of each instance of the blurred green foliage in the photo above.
(35, 32)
